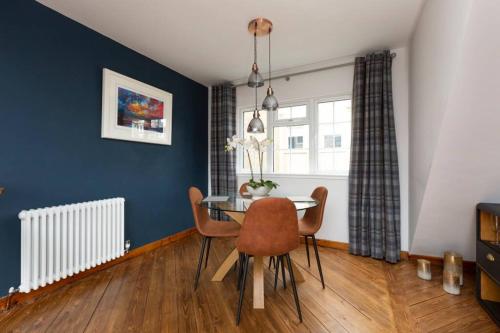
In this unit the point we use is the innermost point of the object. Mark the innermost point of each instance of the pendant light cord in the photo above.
(269, 57)
(256, 100)
(255, 44)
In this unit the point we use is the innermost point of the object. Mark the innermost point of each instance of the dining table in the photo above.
(235, 207)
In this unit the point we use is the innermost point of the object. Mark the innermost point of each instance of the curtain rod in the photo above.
(350, 63)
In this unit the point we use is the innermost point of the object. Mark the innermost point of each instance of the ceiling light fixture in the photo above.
(260, 27)
(255, 125)
(270, 103)
(254, 79)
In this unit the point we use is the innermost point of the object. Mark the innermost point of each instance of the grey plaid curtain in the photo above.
(223, 126)
(374, 203)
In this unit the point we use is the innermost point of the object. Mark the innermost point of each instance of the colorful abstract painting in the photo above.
(139, 111)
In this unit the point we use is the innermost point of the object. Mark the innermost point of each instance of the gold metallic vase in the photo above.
(453, 262)
(424, 269)
(451, 282)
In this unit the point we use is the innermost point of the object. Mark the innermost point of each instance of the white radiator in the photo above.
(60, 241)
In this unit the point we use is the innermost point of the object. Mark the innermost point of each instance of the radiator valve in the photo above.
(127, 245)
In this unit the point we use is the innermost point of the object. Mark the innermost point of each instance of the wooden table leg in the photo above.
(232, 258)
(227, 264)
(258, 282)
(238, 217)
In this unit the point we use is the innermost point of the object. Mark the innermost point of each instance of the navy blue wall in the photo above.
(51, 151)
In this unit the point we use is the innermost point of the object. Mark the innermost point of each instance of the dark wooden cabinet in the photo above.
(488, 259)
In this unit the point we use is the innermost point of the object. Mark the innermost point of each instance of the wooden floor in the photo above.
(154, 293)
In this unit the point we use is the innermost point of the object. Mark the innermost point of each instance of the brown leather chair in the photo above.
(243, 188)
(208, 228)
(270, 228)
(311, 223)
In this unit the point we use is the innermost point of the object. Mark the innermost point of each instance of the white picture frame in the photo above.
(135, 111)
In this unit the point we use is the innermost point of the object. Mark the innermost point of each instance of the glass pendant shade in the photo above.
(255, 79)
(256, 125)
(270, 103)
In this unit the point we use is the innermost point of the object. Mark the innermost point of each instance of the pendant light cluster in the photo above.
(260, 27)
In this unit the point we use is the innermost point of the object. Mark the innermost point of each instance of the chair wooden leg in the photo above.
(307, 251)
(294, 287)
(318, 261)
(242, 290)
(200, 260)
(208, 250)
(276, 272)
(283, 271)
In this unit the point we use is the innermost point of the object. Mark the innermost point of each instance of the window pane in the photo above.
(344, 131)
(293, 112)
(334, 136)
(325, 134)
(247, 116)
(341, 162)
(325, 112)
(342, 111)
(325, 161)
(299, 111)
(291, 149)
(284, 113)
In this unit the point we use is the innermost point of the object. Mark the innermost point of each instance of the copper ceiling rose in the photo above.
(260, 26)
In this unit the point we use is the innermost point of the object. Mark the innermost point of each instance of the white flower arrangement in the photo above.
(252, 145)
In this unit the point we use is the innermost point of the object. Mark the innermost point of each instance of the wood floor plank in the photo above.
(154, 293)
(184, 290)
(360, 290)
(111, 312)
(36, 316)
(84, 296)
(438, 320)
(153, 311)
(137, 304)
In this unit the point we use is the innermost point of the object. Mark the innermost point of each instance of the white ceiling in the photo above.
(208, 41)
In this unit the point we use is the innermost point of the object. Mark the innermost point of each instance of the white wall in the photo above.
(465, 166)
(434, 59)
(338, 82)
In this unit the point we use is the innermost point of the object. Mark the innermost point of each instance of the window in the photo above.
(291, 149)
(334, 136)
(309, 137)
(292, 112)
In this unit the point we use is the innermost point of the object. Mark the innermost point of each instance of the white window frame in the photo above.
(311, 119)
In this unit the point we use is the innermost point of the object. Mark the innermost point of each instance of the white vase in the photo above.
(261, 191)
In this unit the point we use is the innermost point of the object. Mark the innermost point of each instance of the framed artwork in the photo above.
(135, 111)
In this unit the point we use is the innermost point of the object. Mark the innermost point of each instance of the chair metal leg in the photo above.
(200, 260)
(283, 271)
(241, 262)
(294, 287)
(276, 272)
(307, 251)
(208, 250)
(242, 290)
(318, 261)
(271, 260)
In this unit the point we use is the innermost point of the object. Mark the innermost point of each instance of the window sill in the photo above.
(294, 176)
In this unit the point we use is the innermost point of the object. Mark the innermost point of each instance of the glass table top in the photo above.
(236, 203)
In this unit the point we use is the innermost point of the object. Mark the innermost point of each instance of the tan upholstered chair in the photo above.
(311, 223)
(208, 228)
(270, 228)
